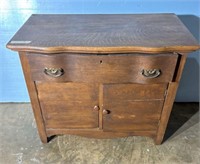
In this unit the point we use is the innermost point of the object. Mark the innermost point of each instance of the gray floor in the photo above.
(20, 142)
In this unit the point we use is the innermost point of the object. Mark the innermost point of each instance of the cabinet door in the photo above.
(132, 107)
(68, 105)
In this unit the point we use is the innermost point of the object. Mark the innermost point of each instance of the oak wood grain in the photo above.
(103, 33)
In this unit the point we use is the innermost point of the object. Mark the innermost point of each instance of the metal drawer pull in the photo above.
(151, 73)
(54, 72)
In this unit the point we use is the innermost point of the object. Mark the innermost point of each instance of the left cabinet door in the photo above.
(69, 105)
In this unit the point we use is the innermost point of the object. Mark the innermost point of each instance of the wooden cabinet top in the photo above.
(103, 33)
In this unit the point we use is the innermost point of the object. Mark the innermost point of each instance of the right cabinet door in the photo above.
(132, 107)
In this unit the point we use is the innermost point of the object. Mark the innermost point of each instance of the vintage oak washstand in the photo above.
(103, 76)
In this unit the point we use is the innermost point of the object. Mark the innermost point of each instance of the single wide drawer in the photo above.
(116, 68)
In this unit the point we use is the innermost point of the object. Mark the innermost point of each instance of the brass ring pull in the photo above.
(151, 73)
(54, 72)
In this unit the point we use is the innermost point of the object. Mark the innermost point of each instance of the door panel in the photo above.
(116, 92)
(68, 105)
(129, 108)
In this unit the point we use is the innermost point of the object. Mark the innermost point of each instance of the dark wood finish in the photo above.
(103, 76)
(121, 68)
(34, 98)
(144, 33)
(69, 105)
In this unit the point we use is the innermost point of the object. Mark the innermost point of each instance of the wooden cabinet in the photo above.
(103, 76)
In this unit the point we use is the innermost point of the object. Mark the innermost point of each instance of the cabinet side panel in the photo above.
(34, 98)
(169, 100)
(171, 93)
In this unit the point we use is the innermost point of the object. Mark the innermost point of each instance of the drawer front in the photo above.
(128, 107)
(68, 105)
(135, 68)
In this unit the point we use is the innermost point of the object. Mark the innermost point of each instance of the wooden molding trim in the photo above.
(120, 49)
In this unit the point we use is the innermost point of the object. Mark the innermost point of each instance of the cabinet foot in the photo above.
(157, 141)
(47, 139)
(44, 139)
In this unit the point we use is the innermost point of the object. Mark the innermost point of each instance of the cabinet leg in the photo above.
(158, 141)
(44, 139)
